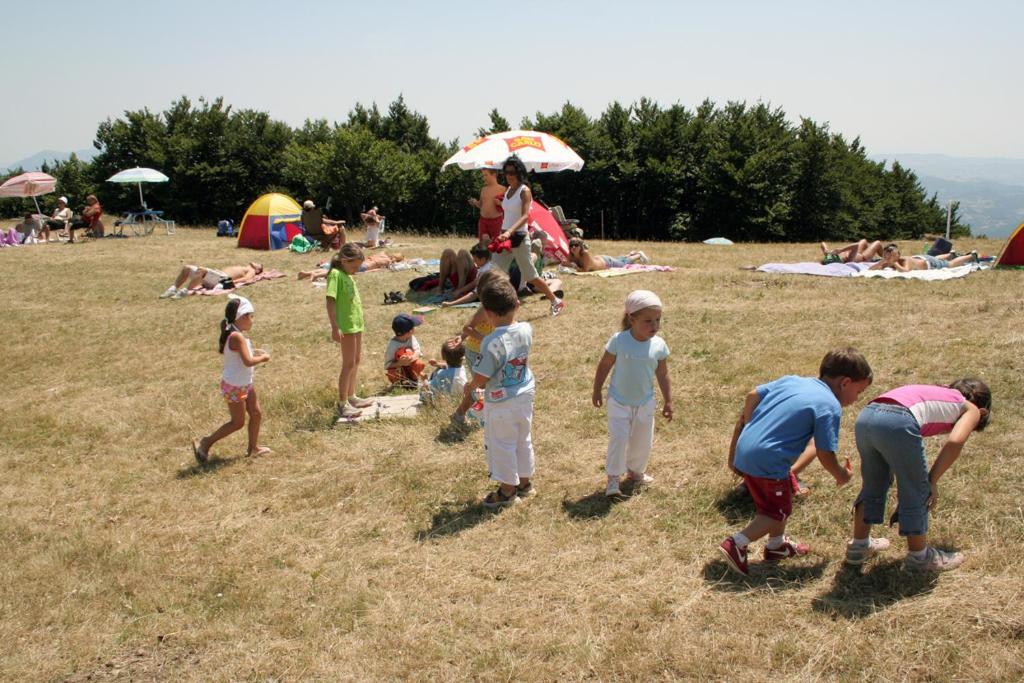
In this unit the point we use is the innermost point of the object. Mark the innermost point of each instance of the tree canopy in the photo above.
(742, 171)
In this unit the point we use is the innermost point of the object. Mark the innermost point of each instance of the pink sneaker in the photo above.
(735, 556)
(787, 550)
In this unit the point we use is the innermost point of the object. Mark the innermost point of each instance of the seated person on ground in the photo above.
(586, 262)
(449, 379)
(403, 360)
(857, 252)
(893, 260)
(193, 277)
(455, 271)
(372, 220)
(89, 219)
(481, 256)
(22, 233)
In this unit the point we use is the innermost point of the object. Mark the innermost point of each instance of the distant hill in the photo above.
(990, 190)
(34, 162)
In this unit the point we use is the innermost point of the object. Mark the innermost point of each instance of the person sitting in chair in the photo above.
(193, 277)
(90, 219)
(60, 220)
(329, 226)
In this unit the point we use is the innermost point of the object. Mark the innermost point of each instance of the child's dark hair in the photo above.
(845, 361)
(978, 393)
(350, 251)
(480, 251)
(516, 163)
(230, 311)
(498, 296)
(453, 353)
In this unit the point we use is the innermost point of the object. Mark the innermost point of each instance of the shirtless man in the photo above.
(488, 226)
(193, 277)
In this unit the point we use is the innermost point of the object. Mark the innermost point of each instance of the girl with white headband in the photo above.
(236, 380)
(638, 356)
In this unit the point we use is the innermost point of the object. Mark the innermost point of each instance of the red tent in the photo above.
(1013, 252)
(557, 247)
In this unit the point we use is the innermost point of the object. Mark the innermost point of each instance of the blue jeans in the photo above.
(890, 445)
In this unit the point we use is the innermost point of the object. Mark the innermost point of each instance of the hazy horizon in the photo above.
(919, 77)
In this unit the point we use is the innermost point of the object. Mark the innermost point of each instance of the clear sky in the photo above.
(907, 76)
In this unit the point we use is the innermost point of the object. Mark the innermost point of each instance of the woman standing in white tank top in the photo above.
(516, 204)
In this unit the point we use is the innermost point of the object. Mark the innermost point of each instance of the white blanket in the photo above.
(938, 274)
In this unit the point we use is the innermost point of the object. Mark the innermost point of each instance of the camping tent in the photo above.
(270, 222)
(557, 248)
(1013, 251)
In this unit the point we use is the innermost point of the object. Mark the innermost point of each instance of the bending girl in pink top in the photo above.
(890, 438)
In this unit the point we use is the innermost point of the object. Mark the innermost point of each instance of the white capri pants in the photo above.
(630, 437)
(507, 440)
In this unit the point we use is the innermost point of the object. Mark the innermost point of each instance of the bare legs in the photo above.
(192, 274)
(861, 531)
(857, 252)
(237, 421)
(351, 354)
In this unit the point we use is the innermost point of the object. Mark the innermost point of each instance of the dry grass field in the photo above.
(362, 553)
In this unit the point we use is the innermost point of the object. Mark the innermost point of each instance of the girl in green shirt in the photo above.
(345, 313)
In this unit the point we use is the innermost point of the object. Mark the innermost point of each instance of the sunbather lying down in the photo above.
(893, 260)
(374, 262)
(586, 262)
(857, 252)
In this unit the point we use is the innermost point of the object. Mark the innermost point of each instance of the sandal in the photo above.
(201, 455)
(526, 490)
(497, 499)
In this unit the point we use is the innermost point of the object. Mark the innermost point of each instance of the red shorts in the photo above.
(772, 497)
(488, 228)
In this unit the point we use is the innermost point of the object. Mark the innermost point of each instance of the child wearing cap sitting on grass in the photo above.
(778, 420)
(403, 360)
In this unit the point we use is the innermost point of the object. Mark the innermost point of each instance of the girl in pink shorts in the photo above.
(236, 380)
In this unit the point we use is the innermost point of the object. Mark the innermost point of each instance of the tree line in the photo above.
(652, 172)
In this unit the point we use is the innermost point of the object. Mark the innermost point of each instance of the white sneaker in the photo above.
(169, 292)
(180, 294)
(642, 258)
(642, 480)
(613, 489)
(859, 554)
(935, 560)
(557, 306)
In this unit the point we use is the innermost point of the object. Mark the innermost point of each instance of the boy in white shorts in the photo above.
(503, 369)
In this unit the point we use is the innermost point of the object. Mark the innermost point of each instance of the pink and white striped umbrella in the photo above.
(29, 185)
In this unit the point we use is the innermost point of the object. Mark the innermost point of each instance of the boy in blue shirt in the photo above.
(503, 370)
(777, 421)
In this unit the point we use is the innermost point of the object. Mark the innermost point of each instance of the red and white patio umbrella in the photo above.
(540, 152)
(29, 185)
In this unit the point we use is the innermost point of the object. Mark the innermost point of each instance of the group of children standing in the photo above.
(779, 421)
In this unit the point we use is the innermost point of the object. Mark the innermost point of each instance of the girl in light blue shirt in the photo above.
(636, 356)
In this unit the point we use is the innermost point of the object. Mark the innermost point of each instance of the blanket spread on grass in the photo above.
(629, 270)
(216, 291)
(861, 270)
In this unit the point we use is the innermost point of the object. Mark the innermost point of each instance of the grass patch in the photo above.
(364, 552)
